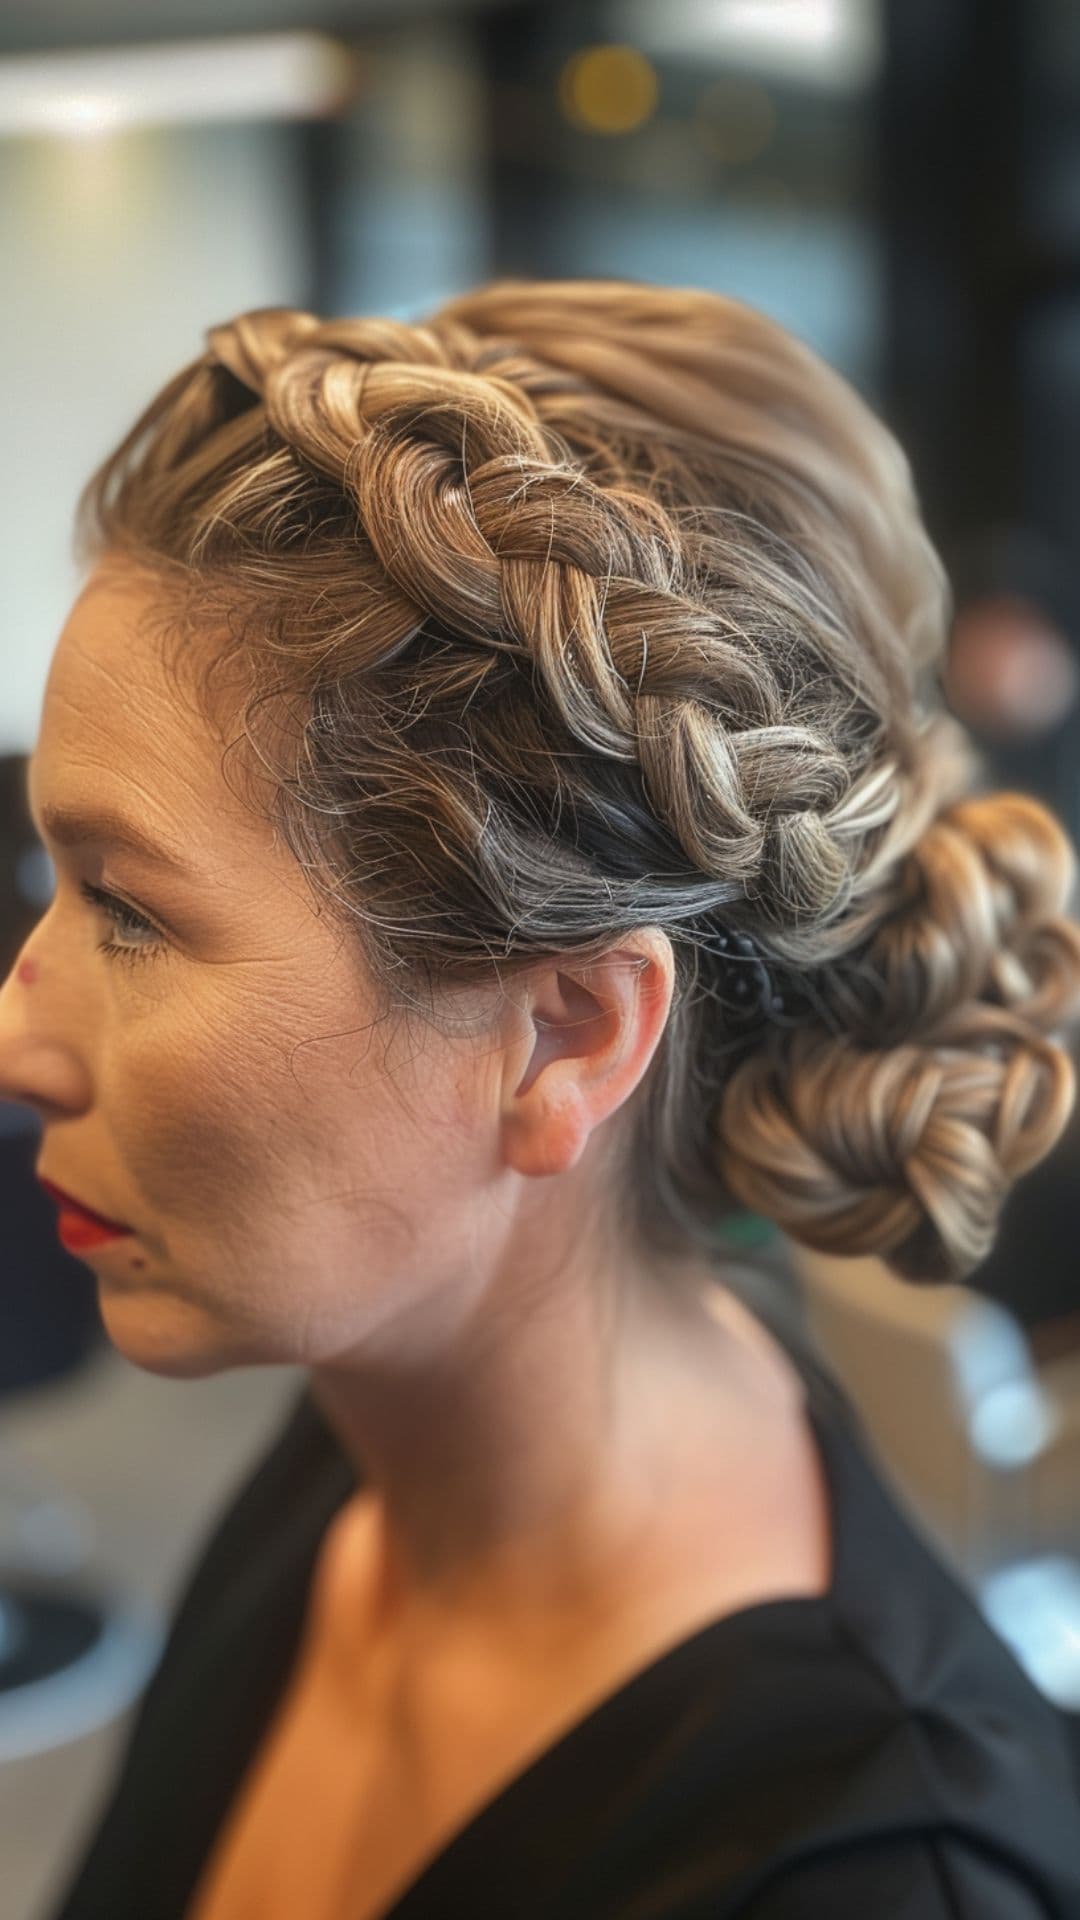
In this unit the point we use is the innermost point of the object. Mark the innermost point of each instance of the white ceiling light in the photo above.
(827, 44)
(278, 76)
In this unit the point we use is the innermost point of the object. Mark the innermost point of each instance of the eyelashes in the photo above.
(126, 920)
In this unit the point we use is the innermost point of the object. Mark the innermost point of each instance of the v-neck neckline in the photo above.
(473, 1848)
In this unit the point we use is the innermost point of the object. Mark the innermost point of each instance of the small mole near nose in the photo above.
(27, 972)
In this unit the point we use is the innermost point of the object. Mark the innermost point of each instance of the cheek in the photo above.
(258, 1132)
(253, 1118)
(194, 1132)
(201, 1103)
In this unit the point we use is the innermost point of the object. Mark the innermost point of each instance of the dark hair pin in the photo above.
(747, 986)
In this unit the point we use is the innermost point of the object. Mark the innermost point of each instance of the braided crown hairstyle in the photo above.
(593, 605)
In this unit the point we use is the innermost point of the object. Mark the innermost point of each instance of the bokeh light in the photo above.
(1011, 670)
(608, 89)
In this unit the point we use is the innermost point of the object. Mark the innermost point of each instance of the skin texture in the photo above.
(416, 1220)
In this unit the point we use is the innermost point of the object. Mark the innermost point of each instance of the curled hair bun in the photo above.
(901, 1134)
(593, 606)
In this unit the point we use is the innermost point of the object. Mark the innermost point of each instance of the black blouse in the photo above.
(872, 1753)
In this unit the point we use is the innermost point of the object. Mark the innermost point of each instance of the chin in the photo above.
(158, 1343)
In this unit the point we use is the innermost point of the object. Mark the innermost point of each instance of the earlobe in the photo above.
(545, 1139)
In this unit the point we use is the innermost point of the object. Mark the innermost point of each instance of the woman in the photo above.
(558, 844)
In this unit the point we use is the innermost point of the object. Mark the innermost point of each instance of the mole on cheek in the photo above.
(27, 972)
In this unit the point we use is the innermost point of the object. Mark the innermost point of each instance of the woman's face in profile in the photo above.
(293, 1169)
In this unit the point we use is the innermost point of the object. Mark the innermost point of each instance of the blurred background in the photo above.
(898, 182)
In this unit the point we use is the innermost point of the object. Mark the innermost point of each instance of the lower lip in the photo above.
(78, 1231)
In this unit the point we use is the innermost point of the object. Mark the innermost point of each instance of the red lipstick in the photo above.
(80, 1227)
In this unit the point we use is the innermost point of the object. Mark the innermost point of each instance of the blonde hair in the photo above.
(597, 605)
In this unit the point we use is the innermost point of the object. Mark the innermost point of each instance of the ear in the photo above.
(583, 1040)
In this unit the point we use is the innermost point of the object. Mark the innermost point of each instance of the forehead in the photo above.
(107, 681)
(118, 728)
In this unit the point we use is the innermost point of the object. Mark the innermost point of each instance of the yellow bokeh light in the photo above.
(608, 89)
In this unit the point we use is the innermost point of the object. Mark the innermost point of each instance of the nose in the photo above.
(40, 1064)
(36, 1067)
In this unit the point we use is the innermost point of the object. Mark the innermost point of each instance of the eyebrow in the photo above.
(74, 826)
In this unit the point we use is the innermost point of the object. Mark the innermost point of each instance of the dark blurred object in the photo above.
(73, 1654)
(50, 1312)
(26, 880)
(1033, 1268)
(976, 174)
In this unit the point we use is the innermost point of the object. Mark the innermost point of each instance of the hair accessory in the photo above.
(752, 991)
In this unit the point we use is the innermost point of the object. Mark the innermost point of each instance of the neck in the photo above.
(549, 1447)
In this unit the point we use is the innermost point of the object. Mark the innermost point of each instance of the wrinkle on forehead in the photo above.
(205, 681)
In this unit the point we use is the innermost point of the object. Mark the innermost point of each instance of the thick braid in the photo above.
(475, 516)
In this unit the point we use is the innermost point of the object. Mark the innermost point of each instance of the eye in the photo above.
(127, 920)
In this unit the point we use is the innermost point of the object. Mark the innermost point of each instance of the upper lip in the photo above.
(69, 1200)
